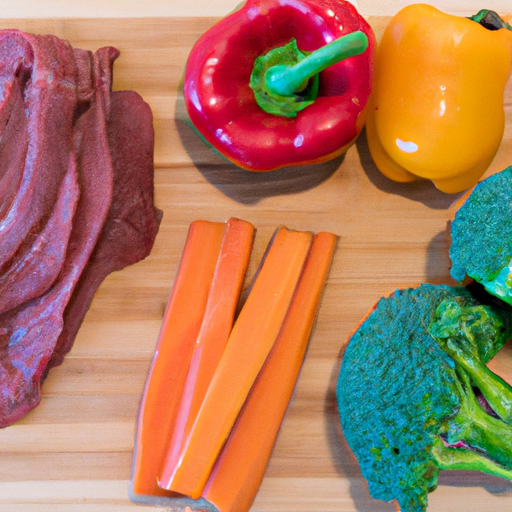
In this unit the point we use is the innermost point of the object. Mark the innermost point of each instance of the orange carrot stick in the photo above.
(216, 327)
(239, 470)
(248, 346)
(176, 342)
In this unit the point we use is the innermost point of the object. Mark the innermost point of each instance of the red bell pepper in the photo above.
(281, 82)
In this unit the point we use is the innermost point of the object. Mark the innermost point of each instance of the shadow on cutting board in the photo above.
(437, 266)
(243, 186)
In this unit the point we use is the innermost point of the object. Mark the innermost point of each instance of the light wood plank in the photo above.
(177, 8)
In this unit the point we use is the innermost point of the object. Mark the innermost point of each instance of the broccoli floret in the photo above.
(407, 405)
(481, 330)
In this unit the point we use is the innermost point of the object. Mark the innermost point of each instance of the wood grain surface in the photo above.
(73, 453)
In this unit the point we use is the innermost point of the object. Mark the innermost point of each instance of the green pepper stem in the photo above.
(491, 20)
(286, 79)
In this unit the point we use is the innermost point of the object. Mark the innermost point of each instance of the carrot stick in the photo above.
(248, 346)
(239, 470)
(176, 342)
(216, 327)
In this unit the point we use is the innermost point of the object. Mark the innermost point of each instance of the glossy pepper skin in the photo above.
(437, 102)
(222, 105)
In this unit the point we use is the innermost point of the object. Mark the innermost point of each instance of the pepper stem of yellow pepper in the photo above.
(490, 20)
(286, 79)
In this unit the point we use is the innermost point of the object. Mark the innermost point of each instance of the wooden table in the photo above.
(73, 453)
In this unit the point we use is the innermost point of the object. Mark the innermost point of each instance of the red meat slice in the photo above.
(76, 200)
(13, 141)
(29, 333)
(43, 69)
(133, 221)
(37, 266)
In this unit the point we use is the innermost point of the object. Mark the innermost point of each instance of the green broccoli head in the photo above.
(405, 403)
(480, 233)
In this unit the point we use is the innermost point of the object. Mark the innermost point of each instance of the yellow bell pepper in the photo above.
(436, 110)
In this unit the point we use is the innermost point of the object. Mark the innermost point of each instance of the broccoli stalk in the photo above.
(488, 439)
(487, 436)
(466, 460)
(494, 389)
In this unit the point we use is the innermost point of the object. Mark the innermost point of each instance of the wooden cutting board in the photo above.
(73, 453)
